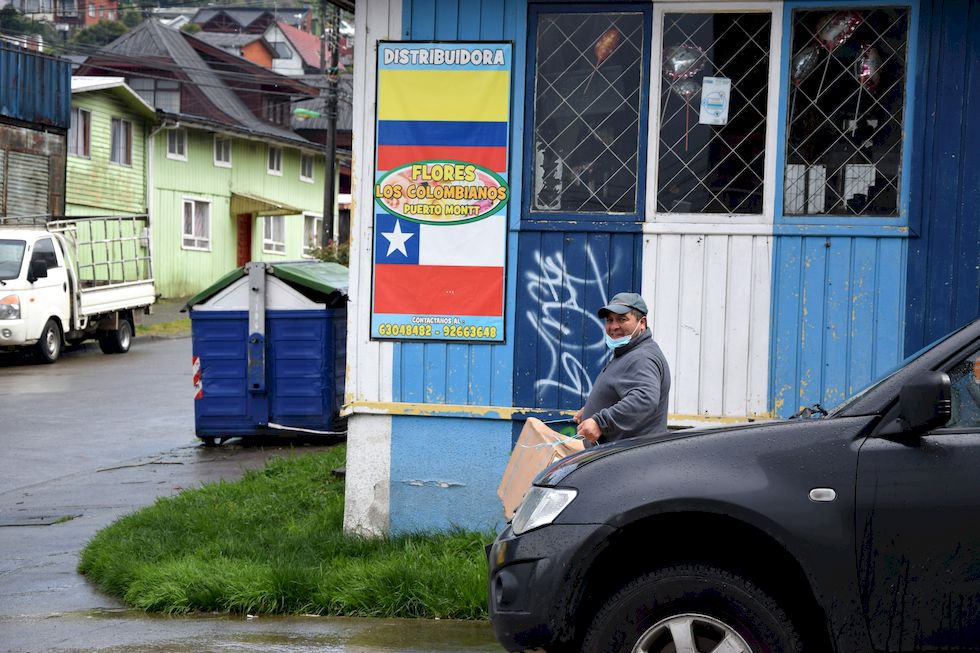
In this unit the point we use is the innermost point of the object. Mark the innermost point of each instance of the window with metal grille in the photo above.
(846, 113)
(713, 94)
(589, 113)
(79, 132)
(197, 224)
(121, 142)
(274, 241)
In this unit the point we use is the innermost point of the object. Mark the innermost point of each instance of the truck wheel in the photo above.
(48, 347)
(118, 341)
(693, 608)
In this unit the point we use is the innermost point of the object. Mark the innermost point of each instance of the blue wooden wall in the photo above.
(836, 323)
(477, 374)
(34, 88)
(563, 278)
(944, 254)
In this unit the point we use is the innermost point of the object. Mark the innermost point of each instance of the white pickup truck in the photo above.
(73, 279)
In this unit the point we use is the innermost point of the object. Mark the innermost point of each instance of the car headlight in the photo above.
(541, 505)
(10, 307)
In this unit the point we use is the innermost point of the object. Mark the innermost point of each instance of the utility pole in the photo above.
(330, 147)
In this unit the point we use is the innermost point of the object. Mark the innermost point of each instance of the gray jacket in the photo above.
(629, 397)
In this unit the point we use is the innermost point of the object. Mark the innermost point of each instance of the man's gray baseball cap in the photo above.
(622, 303)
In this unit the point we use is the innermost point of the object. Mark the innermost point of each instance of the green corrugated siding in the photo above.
(95, 186)
(180, 272)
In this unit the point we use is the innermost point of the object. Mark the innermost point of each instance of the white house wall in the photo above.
(710, 300)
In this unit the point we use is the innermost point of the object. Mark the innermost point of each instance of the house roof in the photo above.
(117, 87)
(245, 16)
(162, 47)
(234, 42)
(306, 44)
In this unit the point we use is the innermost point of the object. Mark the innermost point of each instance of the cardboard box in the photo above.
(536, 449)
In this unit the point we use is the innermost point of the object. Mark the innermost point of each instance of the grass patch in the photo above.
(273, 543)
(171, 329)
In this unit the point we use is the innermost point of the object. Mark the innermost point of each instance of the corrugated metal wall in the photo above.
(34, 88)
(944, 260)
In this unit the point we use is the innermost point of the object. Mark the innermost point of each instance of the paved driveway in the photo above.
(94, 437)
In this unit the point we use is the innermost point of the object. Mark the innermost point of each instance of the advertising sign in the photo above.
(441, 191)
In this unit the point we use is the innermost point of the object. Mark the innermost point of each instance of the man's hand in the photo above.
(589, 429)
(578, 416)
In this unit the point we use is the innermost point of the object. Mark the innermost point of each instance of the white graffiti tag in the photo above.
(555, 293)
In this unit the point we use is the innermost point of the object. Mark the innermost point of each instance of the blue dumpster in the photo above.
(270, 350)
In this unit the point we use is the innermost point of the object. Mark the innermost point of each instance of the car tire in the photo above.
(48, 347)
(117, 341)
(706, 604)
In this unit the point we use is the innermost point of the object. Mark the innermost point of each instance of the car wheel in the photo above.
(117, 341)
(48, 347)
(691, 609)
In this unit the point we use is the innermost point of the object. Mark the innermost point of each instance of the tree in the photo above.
(190, 28)
(132, 18)
(103, 32)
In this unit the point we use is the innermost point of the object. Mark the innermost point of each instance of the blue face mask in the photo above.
(616, 343)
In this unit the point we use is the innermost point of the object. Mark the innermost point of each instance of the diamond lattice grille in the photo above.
(587, 112)
(706, 168)
(846, 113)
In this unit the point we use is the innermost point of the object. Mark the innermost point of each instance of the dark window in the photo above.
(588, 112)
(713, 92)
(846, 117)
(44, 251)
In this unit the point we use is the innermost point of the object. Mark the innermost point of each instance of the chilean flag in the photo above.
(445, 269)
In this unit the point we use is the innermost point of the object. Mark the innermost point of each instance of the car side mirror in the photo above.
(37, 270)
(923, 403)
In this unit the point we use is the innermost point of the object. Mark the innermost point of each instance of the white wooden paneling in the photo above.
(369, 364)
(710, 298)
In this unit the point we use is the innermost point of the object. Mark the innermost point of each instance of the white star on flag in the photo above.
(396, 239)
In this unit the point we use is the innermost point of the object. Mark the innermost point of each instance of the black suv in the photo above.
(857, 530)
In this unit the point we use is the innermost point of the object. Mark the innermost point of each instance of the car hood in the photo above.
(556, 473)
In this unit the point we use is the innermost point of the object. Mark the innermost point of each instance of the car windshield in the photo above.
(11, 256)
(891, 372)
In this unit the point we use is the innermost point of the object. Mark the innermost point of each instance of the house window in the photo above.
(846, 111)
(177, 144)
(197, 224)
(589, 112)
(275, 111)
(222, 152)
(274, 239)
(306, 167)
(312, 232)
(91, 10)
(121, 142)
(275, 160)
(79, 132)
(714, 88)
(163, 94)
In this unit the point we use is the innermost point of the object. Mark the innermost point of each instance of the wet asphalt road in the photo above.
(94, 437)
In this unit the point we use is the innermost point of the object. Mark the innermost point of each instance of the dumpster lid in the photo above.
(319, 276)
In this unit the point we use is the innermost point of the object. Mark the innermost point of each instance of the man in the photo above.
(629, 397)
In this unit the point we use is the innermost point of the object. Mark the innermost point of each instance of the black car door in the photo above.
(918, 529)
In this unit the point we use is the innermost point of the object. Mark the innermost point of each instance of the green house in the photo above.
(229, 181)
(107, 166)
